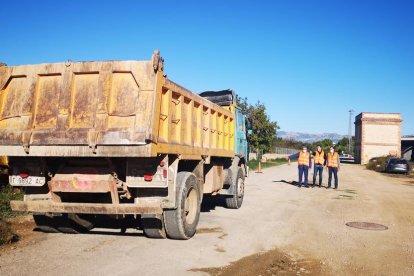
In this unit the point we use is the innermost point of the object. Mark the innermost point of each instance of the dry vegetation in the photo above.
(377, 163)
(7, 193)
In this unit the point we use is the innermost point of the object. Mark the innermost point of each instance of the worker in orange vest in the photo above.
(319, 161)
(304, 163)
(333, 164)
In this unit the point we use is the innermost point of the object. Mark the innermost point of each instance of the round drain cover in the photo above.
(366, 225)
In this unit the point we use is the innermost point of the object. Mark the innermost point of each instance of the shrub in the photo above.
(253, 164)
(6, 233)
(377, 163)
(7, 194)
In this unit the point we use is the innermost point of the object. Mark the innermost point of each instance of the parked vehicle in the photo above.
(118, 138)
(397, 165)
(346, 158)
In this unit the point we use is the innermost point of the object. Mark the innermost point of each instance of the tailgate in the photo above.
(82, 103)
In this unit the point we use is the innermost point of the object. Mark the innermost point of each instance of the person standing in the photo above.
(304, 163)
(333, 166)
(318, 164)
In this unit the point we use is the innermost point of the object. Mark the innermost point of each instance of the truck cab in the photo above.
(241, 134)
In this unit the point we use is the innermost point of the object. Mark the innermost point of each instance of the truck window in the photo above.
(240, 123)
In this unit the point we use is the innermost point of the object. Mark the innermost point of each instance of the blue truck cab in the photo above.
(241, 133)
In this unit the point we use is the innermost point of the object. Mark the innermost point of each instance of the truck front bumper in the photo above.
(48, 206)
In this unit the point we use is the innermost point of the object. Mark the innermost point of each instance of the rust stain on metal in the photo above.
(80, 186)
(123, 103)
(45, 206)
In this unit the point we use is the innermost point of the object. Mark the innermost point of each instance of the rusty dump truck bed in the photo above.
(108, 108)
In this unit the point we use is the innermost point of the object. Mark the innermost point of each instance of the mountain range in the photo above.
(308, 137)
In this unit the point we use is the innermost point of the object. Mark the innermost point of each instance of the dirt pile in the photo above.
(19, 232)
(271, 262)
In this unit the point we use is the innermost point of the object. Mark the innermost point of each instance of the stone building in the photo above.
(377, 134)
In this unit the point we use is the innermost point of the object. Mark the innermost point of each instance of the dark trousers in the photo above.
(303, 170)
(317, 169)
(335, 173)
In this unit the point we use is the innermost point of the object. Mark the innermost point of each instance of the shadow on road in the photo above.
(113, 233)
(105, 225)
(110, 225)
(211, 202)
(294, 183)
(100, 224)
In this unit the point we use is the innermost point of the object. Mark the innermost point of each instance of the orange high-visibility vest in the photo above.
(304, 158)
(333, 160)
(319, 158)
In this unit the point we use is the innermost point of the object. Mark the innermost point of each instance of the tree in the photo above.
(290, 143)
(325, 143)
(342, 145)
(264, 130)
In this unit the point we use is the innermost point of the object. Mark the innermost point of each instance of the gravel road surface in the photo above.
(280, 227)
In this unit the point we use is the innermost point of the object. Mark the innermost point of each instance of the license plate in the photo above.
(16, 180)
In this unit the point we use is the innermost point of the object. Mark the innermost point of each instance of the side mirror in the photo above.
(249, 124)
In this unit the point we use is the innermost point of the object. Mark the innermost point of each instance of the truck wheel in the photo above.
(45, 223)
(236, 200)
(181, 223)
(153, 226)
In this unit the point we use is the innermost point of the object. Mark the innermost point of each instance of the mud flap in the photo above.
(153, 226)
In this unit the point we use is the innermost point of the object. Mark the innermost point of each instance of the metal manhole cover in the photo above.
(367, 225)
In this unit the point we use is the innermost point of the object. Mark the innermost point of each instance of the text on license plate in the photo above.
(16, 180)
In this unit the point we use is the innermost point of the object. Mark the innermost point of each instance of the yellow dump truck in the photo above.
(118, 138)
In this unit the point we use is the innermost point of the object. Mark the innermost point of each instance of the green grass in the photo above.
(253, 164)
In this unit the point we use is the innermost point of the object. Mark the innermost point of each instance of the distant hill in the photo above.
(308, 137)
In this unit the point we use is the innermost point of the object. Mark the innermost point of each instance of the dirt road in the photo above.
(298, 231)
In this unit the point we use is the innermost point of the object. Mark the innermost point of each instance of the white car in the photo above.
(346, 158)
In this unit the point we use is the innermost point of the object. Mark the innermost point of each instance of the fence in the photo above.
(285, 150)
(279, 153)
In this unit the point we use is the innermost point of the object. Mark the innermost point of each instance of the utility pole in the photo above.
(351, 112)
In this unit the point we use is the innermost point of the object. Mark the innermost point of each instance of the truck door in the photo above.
(241, 138)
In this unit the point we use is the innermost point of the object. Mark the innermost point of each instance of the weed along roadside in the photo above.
(8, 193)
(379, 165)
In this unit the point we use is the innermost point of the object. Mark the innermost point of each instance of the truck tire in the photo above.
(235, 201)
(45, 223)
(153, 226)
(181, 223)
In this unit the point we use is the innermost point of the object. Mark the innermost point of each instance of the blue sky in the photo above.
(309, 62)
